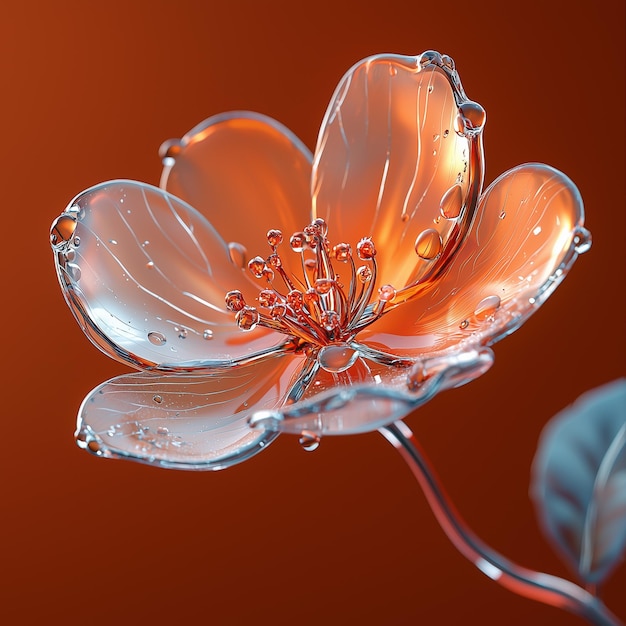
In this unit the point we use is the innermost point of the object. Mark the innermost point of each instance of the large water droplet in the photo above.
(207, 334)
(471, 117)
(62, 230)
(309, 441)
(428, 244)
(452, 202)
(487, 308)
(337, 357)
(238, 253)
(156, 338)
(158, 399)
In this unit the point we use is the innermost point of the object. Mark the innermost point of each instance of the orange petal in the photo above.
(146, 275)
(527, 232)
(247, 174)
(399, 160)
(184, 422)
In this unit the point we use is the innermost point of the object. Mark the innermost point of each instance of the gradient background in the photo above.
(342, 535)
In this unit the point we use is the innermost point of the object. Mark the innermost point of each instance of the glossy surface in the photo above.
(380, 289)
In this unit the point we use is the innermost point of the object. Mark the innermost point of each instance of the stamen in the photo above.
(320, 313)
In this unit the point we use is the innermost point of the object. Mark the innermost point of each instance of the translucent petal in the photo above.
(146, 275)
(396, 152)
(184, 421)
(355, 407)
(527, 232)
(247, 174)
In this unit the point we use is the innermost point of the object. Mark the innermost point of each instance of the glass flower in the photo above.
(322, 293)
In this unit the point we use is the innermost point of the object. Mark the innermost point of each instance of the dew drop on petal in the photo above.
(428, 244)
(150, 264)
(158, 399)
(156, 338)
(386, 293)
(464, 324)
(163, 430)
(502, 215)
(238, 253)
(309, 441)
(62, 230)
(337, 358)
(76, 242)
(452, 202)
(487, 307)
(207, 334)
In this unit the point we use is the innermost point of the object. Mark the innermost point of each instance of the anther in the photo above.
(235, 301)
(366, 249)
(247, 318)
(274, 237)
(342, 252)
(256, 266)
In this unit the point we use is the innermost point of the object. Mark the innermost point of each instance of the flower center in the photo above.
(322, 309)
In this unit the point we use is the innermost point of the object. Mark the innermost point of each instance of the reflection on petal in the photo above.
(146, 275)
(395, 162)
(247, 174)
(184, 421)
(527, 232)
(350, 408)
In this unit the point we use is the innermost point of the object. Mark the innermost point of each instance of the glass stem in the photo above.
(538, 586)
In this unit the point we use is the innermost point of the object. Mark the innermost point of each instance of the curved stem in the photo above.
(545, 588)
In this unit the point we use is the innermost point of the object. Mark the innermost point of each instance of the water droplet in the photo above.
(74, 271)
(428, 57)
(207, 334)
(62, 230)
(70, 255)
(487, 308)
(113, 242)
(156, 338)
(337, 357)
(434, 152)
(158, 399)
(428, 244)
(404, 217)
(537, 230)
(448, 61)
(168, 151)
(472, 116)
(182, 332)
(309, 441)
(502, 215)
(150, 264)
(582, 240)
(446, 133)
(145, 243)
(76, 242)
(163, 430)
(430, 88)
(452, 202)
(238, 254)
(464, 324)
(435, 137)
(392, 70)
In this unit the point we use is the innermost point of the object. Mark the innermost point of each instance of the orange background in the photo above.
(342, 535)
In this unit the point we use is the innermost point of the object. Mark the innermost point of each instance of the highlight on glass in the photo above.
(263, 288)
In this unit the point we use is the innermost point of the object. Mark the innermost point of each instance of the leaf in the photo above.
(579, 482)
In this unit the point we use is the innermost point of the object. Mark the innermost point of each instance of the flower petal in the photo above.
(146, 275)
(399, 160)
(527, 233)
(184, 421)
(392, 393)
(247, 174)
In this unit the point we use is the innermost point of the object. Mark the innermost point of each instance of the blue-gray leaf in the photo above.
(579, 481)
